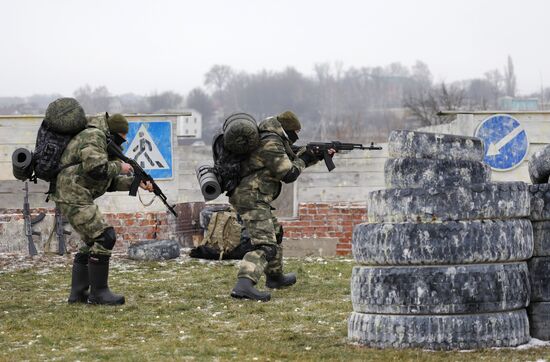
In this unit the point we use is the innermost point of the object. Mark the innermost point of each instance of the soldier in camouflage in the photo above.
(91, 173)
(271, 163)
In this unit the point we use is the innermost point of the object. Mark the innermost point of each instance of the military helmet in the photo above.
(289, 121)
(118, 123)
(65, 115)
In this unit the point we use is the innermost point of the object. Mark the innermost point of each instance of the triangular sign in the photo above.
(145, 152)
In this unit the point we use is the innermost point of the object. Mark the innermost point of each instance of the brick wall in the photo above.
(130, 227)
(314, 220)
(327, 220)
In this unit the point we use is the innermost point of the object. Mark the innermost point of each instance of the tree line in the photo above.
(355, 104)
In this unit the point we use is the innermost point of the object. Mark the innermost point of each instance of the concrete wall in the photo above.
(535, 124)
(20, 131)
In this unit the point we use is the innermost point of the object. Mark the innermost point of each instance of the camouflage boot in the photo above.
(244, 289)
(277, 281)
(99, 288)
(80, 281)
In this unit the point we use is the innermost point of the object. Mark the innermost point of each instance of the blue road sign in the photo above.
(505, 140)
(150, 145)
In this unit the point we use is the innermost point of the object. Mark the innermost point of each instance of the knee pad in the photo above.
(269, 250)
(107, 239)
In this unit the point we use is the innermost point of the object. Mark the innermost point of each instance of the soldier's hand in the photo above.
(331, 152)
(126, 168)
(147, 186)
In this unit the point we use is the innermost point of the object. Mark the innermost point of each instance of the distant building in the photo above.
(518, 104)
(189, 128)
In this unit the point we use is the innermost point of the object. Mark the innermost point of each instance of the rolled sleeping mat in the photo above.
(21, 160)
(208, 182)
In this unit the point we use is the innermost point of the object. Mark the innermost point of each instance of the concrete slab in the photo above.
(309, 247)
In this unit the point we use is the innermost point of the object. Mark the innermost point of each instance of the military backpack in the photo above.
(63, 120)
(239, 138)
(224, 238)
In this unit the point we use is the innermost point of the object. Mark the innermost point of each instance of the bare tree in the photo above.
(218, 77)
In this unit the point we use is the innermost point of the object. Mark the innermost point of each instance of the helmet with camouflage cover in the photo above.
(65, 115)
(289, 121)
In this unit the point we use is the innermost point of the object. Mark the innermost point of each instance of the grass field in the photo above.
(181, 310)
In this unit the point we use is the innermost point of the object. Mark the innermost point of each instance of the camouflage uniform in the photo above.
(261, 179)
(75, 190)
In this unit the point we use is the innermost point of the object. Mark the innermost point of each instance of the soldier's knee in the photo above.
(269, 250)
(107, 239)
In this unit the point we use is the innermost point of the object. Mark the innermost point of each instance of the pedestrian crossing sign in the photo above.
(150, 145)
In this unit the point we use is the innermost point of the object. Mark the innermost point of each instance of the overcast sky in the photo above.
(146, 46)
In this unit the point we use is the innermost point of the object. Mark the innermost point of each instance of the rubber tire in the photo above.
(539, 276)
(541, 238)
(450, 242)
(474, 288)
(445, 332)
(539, 166)
(413, 144)
(495, 200)
(540, 202)
(539, 320)
(421, 172)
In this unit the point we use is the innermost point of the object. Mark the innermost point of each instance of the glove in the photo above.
(308, 157)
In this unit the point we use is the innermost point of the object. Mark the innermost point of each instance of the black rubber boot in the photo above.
(278, 281)
(244, 289)
(80, 281)
(100, 293)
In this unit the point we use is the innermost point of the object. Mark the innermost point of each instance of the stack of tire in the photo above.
(539, 265)
(443, 257)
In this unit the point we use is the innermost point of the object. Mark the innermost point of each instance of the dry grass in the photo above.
(181, 310)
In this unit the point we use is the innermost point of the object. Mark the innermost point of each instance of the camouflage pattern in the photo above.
(289, 121)
(260, 185)
(65, 115)
(223, 232)
(75, 190)
(240, 134)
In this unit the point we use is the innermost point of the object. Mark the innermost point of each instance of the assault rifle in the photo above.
(139, 175)
(320, 149)
(60, 231)
(29, 222)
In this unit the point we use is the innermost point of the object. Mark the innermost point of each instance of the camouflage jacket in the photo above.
(266, 167)
(95, 172)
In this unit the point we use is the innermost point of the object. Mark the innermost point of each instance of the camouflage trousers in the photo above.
(263, 228)
(89, 223)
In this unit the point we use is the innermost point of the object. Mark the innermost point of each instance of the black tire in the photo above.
(154, 250)
(412, 144)
(539, 166)
(539, 320)
(539, 276)
(474, 288)
(445, 332)
(540, 202)
(541, 238)
(495, 200)
(450, 242)
(421, 172)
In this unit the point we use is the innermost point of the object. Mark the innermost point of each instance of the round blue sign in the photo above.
(505, 142)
